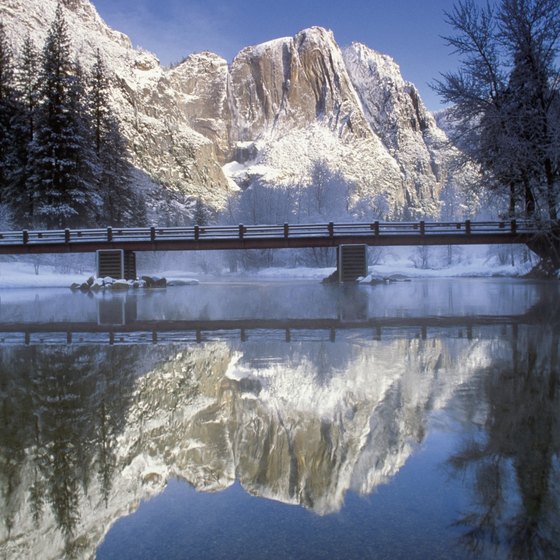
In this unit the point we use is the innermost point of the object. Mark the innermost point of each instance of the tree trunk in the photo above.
(529, 200)
(551, 196)
(511, 200)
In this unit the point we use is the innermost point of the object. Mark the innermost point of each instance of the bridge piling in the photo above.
(351, 262)
(116, 263)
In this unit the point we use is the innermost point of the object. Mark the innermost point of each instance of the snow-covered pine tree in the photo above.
(27, 86)
(60, 168)
(201, 215)
(87, 178)
(120, 205)
(99, 100)
(8, 108)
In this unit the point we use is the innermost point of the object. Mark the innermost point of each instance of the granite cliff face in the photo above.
(206, 127)
(291, 83)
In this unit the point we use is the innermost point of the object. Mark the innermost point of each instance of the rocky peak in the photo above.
(389, 102)
(202, 81)
(280, 107)
(292, 82)
(173, 161)
(397, 115)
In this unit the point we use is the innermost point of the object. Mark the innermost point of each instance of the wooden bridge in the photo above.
(116, 247)
(291, 236)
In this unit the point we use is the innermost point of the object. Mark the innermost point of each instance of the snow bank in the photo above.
(22, 275)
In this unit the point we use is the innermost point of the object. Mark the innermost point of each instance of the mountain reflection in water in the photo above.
(88, 431)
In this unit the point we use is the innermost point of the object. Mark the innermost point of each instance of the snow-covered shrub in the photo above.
(420, 257)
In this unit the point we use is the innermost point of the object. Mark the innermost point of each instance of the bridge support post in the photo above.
(351, 262)
(116, 263)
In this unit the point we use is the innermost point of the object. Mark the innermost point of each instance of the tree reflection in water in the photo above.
(61, 411)
(514, 460)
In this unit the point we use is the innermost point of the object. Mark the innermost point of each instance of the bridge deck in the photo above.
(196, 238)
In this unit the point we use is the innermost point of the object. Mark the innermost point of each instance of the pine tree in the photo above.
(119, 203)
(27, 85)
(87, 169)
(60, 189)
(200, 216)
(7, 111)
(99, 100)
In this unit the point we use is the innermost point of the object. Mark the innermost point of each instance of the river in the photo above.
(282, 419)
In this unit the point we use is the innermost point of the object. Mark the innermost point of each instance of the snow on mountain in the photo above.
(302, 100)
(397, 115)
(202, 80)
(204, 127)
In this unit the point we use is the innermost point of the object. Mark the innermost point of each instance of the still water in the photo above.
(411, 420)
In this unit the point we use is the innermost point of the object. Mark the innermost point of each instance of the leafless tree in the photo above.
(506, 98)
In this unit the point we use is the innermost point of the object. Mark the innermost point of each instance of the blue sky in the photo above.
(408, 30)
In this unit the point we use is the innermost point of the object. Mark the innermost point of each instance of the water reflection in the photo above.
(427, 298)
(88, 431)
(513, 459)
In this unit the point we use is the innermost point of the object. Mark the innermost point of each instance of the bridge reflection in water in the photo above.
(118, 323)
(471, 409)
(171, 332)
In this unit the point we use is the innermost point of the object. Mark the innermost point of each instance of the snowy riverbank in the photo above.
(17, 274)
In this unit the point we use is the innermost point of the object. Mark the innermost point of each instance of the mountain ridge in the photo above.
(206, 128)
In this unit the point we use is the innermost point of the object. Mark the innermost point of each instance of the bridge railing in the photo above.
(270, 231)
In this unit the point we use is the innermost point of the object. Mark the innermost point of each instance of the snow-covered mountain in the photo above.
(206, 127)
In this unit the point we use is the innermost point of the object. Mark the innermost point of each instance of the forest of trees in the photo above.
(325, 197)
(63, 159)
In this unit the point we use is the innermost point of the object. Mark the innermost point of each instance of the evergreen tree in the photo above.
(60, 190)
(7, 110)
(99, 100)
(119, 204)
(63, 158)
(201, 216)
(27, 84)
(87, 164)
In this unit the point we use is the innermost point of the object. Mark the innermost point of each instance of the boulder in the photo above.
(154, 282)
(187, 282)
(120, 285)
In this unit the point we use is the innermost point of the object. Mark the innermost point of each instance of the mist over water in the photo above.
(283, 419)
(284, 299)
